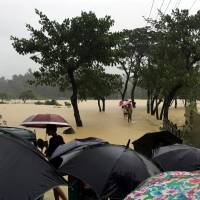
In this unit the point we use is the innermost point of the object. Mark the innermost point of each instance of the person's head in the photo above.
(51, 129)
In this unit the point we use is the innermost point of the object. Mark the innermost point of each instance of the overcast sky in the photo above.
(14, 14)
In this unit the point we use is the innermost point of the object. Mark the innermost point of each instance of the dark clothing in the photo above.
(54, 142)
(77, 190)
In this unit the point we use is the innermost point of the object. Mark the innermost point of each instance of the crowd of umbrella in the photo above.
(110, 170)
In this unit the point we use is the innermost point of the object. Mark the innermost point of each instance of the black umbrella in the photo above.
(24, 172)
(74, 144)
(108, 169)
(178, 157)
(151, 141)
(25, 134)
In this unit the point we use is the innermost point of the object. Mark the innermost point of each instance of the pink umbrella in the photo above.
(42, 120)
(126, 103)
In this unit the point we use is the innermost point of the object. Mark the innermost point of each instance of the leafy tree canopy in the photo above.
(62, 48)
(25, 95)
(95, 83)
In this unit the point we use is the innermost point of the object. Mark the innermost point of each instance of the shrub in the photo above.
(39, 103)
(67, 104)
(52, 102)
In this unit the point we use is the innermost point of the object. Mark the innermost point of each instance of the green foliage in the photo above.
(132, 49)
(25, 95)
(95, 83)
(39, 103)
(61, 48)
(52, 102)
(173, 56)
(3, 96)
(48, 102)
(68, 104)
(19, 83)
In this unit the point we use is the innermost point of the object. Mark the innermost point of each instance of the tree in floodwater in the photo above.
(63, 48)
(175, 54)
(3, 96)
(139, 41)
(133, 46)
(26, 95)
(95, 83)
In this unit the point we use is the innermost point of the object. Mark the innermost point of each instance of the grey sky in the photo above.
(14, 14)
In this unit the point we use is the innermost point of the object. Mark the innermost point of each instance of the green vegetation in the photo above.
(39, 103)
(52, 102)
(162, 59)
(62, 49)
(133, 47)
(48, 102)
(19, 83)
(172, 60)
(26, 95)
(3, 96)
(67, 104)
(95, 83)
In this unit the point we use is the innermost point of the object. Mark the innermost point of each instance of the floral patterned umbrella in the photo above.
(174, 185)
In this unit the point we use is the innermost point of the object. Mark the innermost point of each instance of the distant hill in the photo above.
(18, 83)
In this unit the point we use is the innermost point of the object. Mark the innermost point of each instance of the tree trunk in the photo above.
(148, 101)
(162, 110)
(103, 102)
(99, 105)
(185, 104)
(126, 85)
(175, 101)
(155, 111)
(169, 99)
(152, 104)
(74, 99)
(133, 92)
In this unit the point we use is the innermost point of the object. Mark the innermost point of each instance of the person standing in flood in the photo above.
(129, 111)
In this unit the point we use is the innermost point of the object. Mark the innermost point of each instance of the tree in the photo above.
(25, 95)
(133, 47)
(150, 80)
(95, 83)
(125, 59)
(63, 48)
(139, 42)
(175, 53)
(3, 96)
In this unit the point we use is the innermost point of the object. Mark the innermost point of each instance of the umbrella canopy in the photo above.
(25, 134)
(74, 144)
(169, 185)
(42, 120)
(110, 170)
(178, 157)
(24, 172)
(152, 141)
(126, 103)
